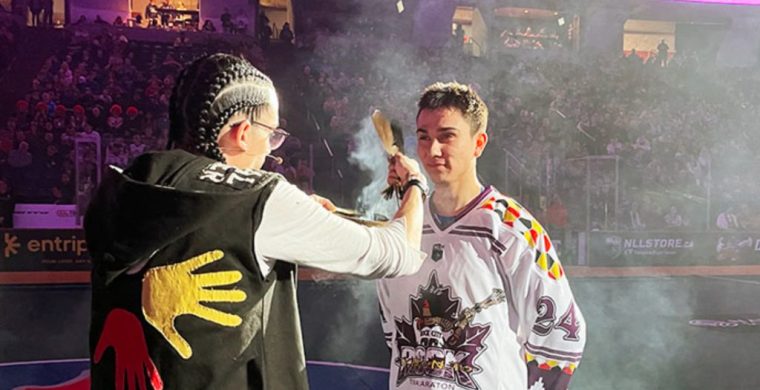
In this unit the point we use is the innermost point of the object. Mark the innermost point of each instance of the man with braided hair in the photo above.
(195, 249)
(491, 309)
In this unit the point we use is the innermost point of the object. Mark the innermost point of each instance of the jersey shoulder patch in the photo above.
(519, 221)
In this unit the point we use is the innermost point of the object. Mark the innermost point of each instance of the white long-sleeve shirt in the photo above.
(296, 229)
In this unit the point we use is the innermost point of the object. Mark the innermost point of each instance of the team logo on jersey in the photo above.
(440, 340)
(437, 252)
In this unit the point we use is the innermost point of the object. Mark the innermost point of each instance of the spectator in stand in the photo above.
(149, 138)
(65, 189)
(79, 118)
(556, 214)
(208, 26)
(748, 220)
(634, 58)
(458, 36)
(7, 205)
(673, 218)
(69, 137)
(637, 223)
(6, 136)
(118, 22)
(304, 176)
(96, 119)
(614, 147)
(148, 121)
(59, 113)
(136, 147)
(35, 7)
(18, 137)
(52, 166)
(56, 195)
(165, 16)
(227, 25)
(42, 108)
(32, 136)
(22, 110)
(662, 54)
(151, 13)
(170, 65)
(5, 170)
(48, 139)
(115, 121)
(65, 76)
(88, 134)
(241, 22)
(182, 40)
(727, 220)
(261, 20)
(641, 149)
(117, 154)
(265, 36)
(20, 157)
(286, 35)
(47, 7)
(652, 59)
(133, 121)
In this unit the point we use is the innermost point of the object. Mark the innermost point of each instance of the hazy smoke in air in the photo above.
(370, 157)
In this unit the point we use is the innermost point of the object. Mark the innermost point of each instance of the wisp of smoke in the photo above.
(369, 156)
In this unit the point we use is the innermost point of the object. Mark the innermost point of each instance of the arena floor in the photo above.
(642, 332)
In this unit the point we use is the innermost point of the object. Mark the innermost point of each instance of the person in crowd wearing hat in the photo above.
(79, 119)
(96, 117)
(115, 121)
(6, 136)
(133, 120)
(60, 110)
(40, 112)
(21, 115)
(22, 108)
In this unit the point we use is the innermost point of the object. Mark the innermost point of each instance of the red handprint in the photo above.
(123, 332)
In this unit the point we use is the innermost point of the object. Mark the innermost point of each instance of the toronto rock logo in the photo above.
(440, 341)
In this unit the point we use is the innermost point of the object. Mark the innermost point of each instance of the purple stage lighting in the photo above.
(729, 2)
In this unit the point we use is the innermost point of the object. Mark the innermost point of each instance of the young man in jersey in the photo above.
(491, 308)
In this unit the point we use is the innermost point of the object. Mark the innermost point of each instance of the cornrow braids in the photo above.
(229, 85)
(459, 96)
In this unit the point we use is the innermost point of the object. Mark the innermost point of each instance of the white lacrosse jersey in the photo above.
(490, 309)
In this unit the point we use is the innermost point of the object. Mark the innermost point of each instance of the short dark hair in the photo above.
(459, 96)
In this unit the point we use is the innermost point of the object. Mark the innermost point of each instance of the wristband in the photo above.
(417, 183)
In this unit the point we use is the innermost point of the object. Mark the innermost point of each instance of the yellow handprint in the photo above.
(173, 290)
